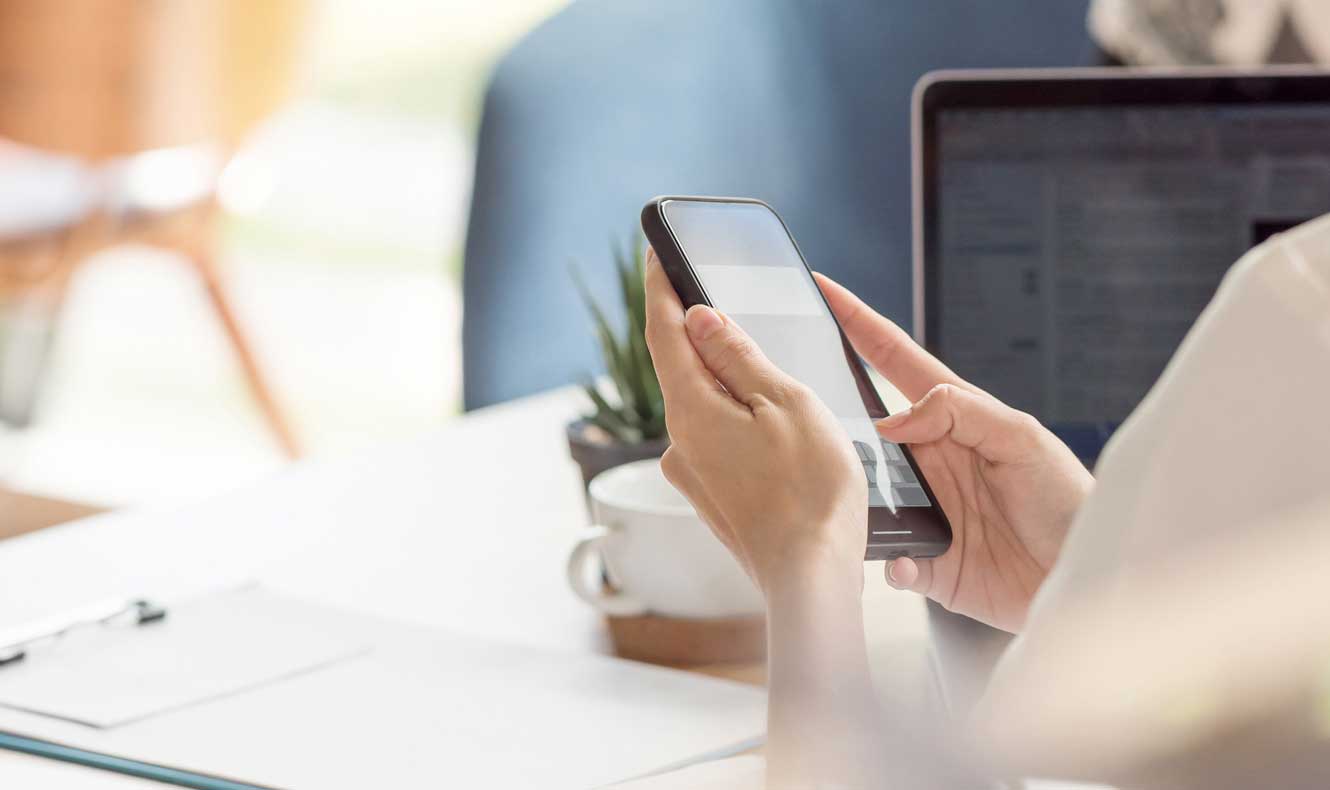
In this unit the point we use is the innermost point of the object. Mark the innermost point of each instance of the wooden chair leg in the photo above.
(202, 255)
(258, 383)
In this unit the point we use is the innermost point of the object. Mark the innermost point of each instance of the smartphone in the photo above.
(738, 256)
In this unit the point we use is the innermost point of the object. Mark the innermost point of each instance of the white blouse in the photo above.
(1193, 592)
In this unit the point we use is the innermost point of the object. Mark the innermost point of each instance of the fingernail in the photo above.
(702, 321)
(896, 419)
(891, 571)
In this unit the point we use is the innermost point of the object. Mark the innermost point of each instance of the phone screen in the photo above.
(751, 270)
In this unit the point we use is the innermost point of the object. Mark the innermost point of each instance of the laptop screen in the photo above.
(1074, 246)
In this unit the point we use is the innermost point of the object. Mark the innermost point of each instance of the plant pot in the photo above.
(594, 450)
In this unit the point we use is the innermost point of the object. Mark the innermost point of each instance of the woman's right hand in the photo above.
(1009, 487)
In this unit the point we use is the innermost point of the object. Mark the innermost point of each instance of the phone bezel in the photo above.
(934, 527)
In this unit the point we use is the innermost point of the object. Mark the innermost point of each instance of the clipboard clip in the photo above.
(136, 612)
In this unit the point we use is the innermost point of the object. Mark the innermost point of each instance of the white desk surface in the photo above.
(466, 528)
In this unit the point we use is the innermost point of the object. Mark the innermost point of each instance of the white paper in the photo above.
(108, 675)
(430, 709)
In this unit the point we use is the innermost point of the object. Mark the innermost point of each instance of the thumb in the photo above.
(981, 422)
(907, 573)
(731, 355)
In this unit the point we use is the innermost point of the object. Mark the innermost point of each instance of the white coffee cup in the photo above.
(656, 554)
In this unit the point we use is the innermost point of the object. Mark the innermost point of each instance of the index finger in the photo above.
(679, 369)
(887, 347)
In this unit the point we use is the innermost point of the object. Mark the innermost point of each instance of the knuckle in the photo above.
(653, 331)
(761, 404)
(677, 427)
(792, 392)
(734, 350)
(1027, 423)
(939, 396)
(672, 465)
(685, 428)
(780, 393)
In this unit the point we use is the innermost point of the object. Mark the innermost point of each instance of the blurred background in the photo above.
(232, 233)
(342, 133)
(235, 232)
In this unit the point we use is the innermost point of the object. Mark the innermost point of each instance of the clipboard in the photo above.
(420, 707)
(102, 673)
(74, 654)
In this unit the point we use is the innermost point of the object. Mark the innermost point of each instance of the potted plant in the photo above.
(627, 421)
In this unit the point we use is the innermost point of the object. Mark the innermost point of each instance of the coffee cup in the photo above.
(648, 552)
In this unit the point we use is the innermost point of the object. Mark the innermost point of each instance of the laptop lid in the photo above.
(1070, 225)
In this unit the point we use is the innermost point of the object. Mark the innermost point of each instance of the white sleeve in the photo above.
(1231, 442)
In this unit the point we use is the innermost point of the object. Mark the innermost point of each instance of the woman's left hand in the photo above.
(773, 472)
(759, 455)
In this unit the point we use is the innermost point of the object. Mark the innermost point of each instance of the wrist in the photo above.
(814, 574)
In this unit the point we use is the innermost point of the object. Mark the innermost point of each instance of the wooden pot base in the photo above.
(681, 642)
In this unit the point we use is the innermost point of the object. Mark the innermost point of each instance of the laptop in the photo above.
(1070, 225)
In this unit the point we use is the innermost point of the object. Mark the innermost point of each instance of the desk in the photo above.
(466, 528)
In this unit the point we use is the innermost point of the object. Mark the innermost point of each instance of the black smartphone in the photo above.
(737, 255)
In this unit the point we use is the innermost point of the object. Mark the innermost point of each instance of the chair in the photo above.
(148, 101)
(803, 104)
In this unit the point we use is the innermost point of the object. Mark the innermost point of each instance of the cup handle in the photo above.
(609, 601)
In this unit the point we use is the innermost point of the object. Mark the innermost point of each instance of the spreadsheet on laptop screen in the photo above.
(1077, 245)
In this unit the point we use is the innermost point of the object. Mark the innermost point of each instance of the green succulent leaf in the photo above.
(608, 418)
(639, 413)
